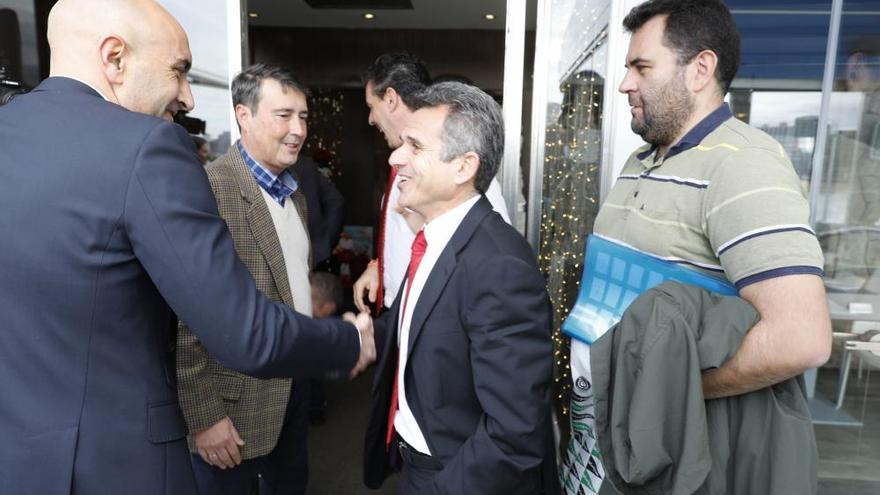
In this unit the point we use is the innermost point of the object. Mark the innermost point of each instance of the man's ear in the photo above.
(391, 99)
(114, 55)
(468, 165)
(242, 115)
(703, 73)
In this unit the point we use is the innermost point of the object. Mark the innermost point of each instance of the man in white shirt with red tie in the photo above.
(392, 83)
(461, 402)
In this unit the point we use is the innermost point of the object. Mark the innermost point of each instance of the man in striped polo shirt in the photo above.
(713, 193)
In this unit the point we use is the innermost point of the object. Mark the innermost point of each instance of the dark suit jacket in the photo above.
(108, 224)
(326, 208)
(208, 391)
(479, 368)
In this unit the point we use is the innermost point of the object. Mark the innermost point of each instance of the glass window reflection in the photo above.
(205, 23)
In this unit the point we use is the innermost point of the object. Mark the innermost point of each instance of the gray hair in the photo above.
(247, 83)
(474, 123)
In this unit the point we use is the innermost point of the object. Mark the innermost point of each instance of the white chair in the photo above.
(865, 347)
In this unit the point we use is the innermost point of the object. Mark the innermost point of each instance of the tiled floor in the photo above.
(336, 447)
(849, 457)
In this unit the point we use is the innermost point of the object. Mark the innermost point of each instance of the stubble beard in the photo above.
(667, 111)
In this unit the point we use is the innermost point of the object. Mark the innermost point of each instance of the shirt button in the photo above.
(636, 194)
(642, 207)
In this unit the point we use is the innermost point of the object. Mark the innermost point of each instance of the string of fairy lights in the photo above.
(325, 129)
(572, 154)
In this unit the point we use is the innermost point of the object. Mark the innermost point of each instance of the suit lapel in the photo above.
(439, 276)
(260, 221)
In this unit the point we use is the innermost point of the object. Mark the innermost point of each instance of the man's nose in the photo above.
(397, 158)
(298, 127)
(185, 97)
(628, 84)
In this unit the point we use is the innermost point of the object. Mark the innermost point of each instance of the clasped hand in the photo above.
(364, 324)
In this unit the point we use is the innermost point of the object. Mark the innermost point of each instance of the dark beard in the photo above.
(669, 110)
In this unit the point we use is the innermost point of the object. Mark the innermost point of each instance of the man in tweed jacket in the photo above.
(246, 431)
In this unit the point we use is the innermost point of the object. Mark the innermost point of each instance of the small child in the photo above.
(326, 301)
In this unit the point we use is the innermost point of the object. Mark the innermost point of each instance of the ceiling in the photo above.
(425, 14)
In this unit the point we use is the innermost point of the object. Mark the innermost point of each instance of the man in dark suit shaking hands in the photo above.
(462, 391)
(108, 234)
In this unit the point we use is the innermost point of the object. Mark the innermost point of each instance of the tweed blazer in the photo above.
(207, 391)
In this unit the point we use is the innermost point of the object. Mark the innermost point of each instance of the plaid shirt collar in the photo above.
(280, 187)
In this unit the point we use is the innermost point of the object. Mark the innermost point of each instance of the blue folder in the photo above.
(614, 276)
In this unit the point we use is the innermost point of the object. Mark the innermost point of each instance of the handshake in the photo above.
(364, 323)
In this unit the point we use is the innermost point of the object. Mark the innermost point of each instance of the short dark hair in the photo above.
(328, 286)
(401, 71)
(474, 123)
(691, 27)
(247, 83)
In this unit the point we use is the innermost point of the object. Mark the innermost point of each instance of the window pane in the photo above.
(576, 63)
(205, 23)
(778, 87)
(847, 221)
(848, 207)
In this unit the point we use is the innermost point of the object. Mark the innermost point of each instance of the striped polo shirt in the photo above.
(725, 199)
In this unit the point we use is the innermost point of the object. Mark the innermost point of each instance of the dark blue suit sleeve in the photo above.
(178, 236)
(511, 352)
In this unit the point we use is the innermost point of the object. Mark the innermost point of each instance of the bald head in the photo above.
(123, 48)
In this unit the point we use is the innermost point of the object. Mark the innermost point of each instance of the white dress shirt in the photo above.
(399, 238)
(437, 235)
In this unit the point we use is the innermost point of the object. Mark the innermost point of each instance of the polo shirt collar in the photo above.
(696, 135)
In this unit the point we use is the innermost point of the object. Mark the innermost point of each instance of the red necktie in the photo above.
(380, 288)
(418, 251)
